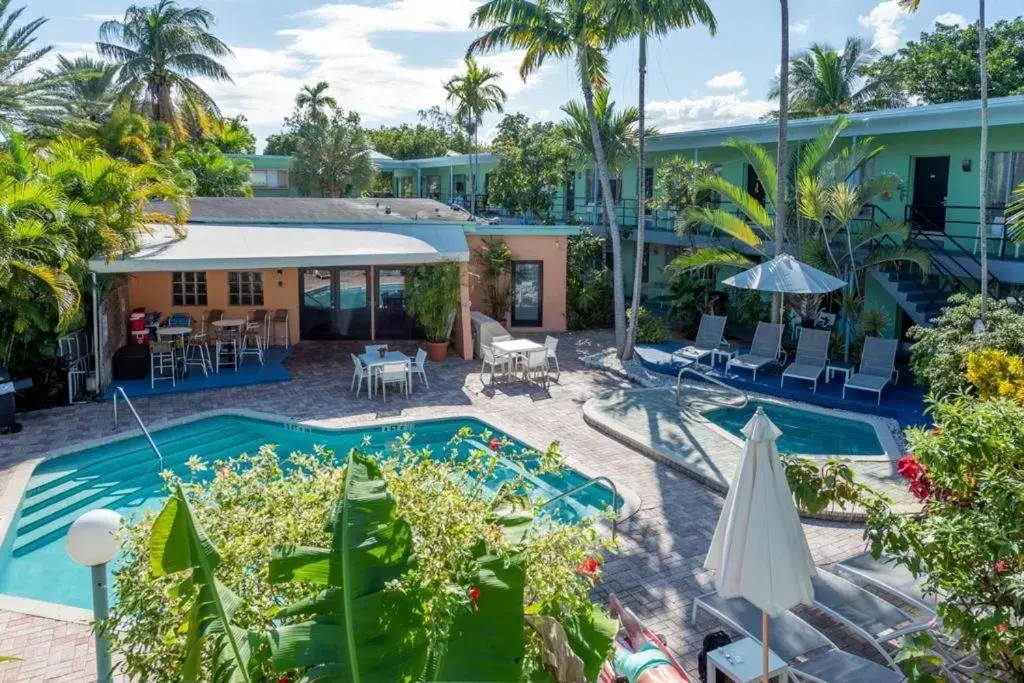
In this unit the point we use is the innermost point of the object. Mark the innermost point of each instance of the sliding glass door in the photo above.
(527, 293)
(335, 303)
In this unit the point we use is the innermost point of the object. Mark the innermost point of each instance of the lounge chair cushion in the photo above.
(863, 609)
(804, 371)
(789, 635)
(691, 353)
(836, 665)
(895, 578)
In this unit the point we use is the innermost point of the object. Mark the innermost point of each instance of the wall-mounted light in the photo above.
(280, 277)
(965, 164)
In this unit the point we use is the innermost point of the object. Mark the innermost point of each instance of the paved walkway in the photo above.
(657, 573)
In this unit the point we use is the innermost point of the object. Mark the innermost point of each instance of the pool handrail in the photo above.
(716, 382)
(124, 396)
(591, 482)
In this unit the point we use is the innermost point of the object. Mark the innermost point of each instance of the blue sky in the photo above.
(388, 58)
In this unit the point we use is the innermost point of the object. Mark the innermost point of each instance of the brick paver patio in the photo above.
(657, 573)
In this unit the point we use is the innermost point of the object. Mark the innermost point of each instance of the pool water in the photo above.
(805, 432)
(124, 476)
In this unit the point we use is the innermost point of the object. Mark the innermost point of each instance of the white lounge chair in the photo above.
(709, 338)
(811, 357)
(877, 366)
(764, 349)
(811, 656)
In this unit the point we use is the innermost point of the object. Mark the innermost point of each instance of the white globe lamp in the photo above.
(92, 541)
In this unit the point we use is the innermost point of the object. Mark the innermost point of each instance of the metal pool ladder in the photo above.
(712, 380)
(588, 483)
(119, 391)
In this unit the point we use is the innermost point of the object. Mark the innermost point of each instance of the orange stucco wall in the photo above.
(547, 248)
(152, 291)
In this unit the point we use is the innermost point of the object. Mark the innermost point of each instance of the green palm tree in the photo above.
(25, 96)
(474, 94)
(84, 94)
(619, 131)
(160, 49)
(825, 82)
(312, 101)
(580, 30)
(782, 151)
(643, 18)
(1015, 214)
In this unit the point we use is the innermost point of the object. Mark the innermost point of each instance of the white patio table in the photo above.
(517, 347)
(372, 361)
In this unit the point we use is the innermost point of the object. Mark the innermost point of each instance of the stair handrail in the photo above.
(588, 483)
(119, 391)
(708, 378)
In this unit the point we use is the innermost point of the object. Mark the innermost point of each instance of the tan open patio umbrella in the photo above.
(759, 551)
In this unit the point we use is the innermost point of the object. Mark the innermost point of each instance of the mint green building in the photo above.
(933, 149)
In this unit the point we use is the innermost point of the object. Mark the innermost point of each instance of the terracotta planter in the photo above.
(437, 351)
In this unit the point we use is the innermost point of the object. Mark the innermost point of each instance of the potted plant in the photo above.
(432, 299)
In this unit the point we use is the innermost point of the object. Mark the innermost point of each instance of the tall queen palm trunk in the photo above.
(618, 296)
(641, 214)
(782, 161)
(983, 160)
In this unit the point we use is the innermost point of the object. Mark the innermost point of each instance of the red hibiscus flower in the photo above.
(909, 467)
(588, 567)
(1002, 627)
(936, 431)
(999, 566)
(224, 471)
(921, 488)
(474, 596)
(284, 679)
(495, 444)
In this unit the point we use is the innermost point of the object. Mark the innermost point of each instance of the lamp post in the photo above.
(93, 542)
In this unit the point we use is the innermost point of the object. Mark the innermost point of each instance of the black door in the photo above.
(754, 186)
(931, 186)
(390, 316)
(570, 194)
(335, 304)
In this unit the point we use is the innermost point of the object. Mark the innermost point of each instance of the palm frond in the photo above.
(706, 258)
(746, 203)
(760, 160)
(722, 220)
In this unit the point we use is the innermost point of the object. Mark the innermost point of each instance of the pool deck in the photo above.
(657, 572)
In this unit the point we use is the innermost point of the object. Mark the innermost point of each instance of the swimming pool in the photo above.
(124, 476)
(805, 432)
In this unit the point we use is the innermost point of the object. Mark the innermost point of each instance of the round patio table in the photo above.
(173, 331)
(228, 323)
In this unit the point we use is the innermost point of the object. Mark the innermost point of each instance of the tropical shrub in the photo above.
(939, 355)
(650, 328)
(456, 562)
(967, 545)
(688, 293)
(496, 260)
(818, 486)
(996, 374)
(532, 163)
(747, 309)
(215, 174)
(589, 290)
(432, 295)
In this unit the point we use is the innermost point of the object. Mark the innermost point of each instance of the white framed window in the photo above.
(245, 288)
(188, 288)
(1005, 174)
(274, 180)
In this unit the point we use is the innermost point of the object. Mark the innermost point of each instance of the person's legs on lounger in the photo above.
(646, 663)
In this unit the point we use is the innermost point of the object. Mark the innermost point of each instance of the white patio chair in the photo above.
(396, 372)
(764, 349)
(811, 357)
(359, 373)
(551, 344)
(535, 364)
(495, 361)
(161, 359)
(418, 366)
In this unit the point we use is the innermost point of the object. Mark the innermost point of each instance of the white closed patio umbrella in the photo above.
(759, 551)
(786, 275)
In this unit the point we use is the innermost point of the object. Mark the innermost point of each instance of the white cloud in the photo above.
(886, 20)
(951, 19)
(800, 27)
(710, 111)
(334, 43)
(730, 80)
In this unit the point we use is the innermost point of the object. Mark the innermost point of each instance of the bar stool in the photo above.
(279, 318)
(197, 352)
(227, 347)
(252, 342)
(161, 359)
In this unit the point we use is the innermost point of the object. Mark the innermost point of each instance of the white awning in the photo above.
(248, 247)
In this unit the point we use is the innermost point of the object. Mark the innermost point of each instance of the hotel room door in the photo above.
(335, 303)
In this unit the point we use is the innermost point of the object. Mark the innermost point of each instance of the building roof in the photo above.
(248, 247)
(932, 117)
(310, 210)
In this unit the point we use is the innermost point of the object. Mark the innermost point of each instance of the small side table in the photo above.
(846, 369)
(726, 352)
(740, 661)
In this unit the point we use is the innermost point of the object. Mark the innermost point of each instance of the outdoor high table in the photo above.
(177, 334)
(372, 361)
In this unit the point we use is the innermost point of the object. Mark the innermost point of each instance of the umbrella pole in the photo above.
(764, 646)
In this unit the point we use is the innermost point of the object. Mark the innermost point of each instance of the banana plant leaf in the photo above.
(357, 630)
(590, 637)
(178, 543)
